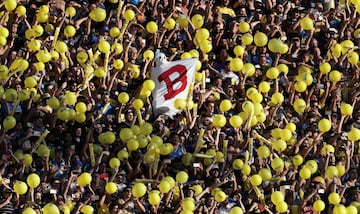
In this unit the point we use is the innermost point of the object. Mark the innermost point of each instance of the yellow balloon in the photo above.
(100, 72)
(27, 159)
(138, 104)
(164, 186)
(335, 76)
(98, 14)
(319, 205)
(10, 5)
(197, 20)
(82, 57)
(219, 120)
(87, 209)
(129, 15)
(237, 164)
(236, 64)
(2, 41)
(236, 210)
(239, 50)
(3, 73)
(169, 23)
(114, 162)
(299, 105)
(9, 122)
(123, 97)
(274, 45)
(50, 209)
(42, 17)
(30, 82)
(84, 179)
(70, 98)
(307, 23)
(247, 39)
(334, 198)
(353, 58)
(281, 207)
(111, 188)
(21, 10)
(118, 64)
(39, 66)
(354, 134)
(277, 197)
(34, 45)
(325, 68)
(80, 117)
(154, 198)
(332, 172)
(246, 169)
(279, 145)
(277, 98)
(151, 27)
(236, 121)
(139, 190)
(346, 109)
(28, 210)
(313, 166)
(4, 32)
(61, 47)
(71, 11)
(263, 151)
(260, 39)
(114, 32)
(277, 164)
(182, 177)
(122, 155)
(346, 45)
(264, 87)
(300, 86)
(69, 31)
(117, 48)
(33, 180)
(244, 27)
(272, 73)
(104, 46)
(225, 105)
(324, 125)
(182, 20)
(255, 180)
(220, 196)
(305, 173)
(38, 30)
(20, 187)
(206, 46)
(148, 54)
(54, 103)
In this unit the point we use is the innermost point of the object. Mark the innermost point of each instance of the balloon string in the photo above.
(42, 137)
(199, 143)
(92, 156)
(121, 4)
(123, 28)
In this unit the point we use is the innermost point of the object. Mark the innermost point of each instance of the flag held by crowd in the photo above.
(172, 81)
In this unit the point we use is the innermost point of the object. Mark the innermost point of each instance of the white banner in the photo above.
(172, 81)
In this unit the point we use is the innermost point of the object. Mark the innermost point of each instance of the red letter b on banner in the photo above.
(182, 78)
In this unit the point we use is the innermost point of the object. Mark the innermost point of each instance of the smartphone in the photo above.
(321, 191)
(196, 165)
(53, 191)
(95, 198)
(344, 134)
(167, 161)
